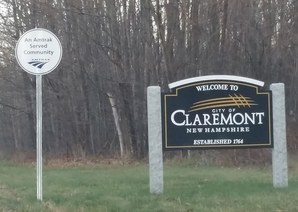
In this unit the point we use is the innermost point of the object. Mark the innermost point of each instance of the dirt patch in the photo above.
(5, 192)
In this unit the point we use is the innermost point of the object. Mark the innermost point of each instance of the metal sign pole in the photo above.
(39, 136)
(44, 60)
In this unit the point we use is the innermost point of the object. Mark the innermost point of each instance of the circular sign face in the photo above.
(38, 51)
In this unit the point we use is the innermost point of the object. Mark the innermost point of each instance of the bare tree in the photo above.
(119, 47)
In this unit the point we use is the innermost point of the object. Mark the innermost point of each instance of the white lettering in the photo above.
(181, 118)
(212, 87)
(173, 117)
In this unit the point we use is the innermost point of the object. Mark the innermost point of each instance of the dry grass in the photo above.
(88, 186)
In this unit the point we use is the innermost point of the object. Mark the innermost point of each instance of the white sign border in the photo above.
(216, 77)
(38, 29)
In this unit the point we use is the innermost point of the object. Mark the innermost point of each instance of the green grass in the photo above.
(126, 188)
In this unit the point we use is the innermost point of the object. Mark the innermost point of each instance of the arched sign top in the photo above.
(38, 51)
(217, 111)
(216, 77)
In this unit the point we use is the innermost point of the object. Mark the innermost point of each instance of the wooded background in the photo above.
(94, 103)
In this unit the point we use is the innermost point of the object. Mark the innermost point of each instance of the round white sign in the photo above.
(38, 51)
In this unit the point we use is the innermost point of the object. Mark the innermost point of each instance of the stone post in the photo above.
(279, 152)
(155, 139)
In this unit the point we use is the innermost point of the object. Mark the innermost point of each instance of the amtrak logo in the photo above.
(37, 64)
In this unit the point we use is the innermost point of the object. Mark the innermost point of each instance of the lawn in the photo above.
(126, 188)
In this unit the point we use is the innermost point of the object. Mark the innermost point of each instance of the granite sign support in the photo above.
(155, 139)
(279, 152)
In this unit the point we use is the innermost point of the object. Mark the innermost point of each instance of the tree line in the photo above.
(95, 101)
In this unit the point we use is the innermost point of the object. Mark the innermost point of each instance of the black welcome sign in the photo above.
(217, 111)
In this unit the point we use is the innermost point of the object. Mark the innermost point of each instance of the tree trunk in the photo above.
(117, 123)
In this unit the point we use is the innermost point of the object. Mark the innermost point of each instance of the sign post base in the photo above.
(279, 152)
(155, 139)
